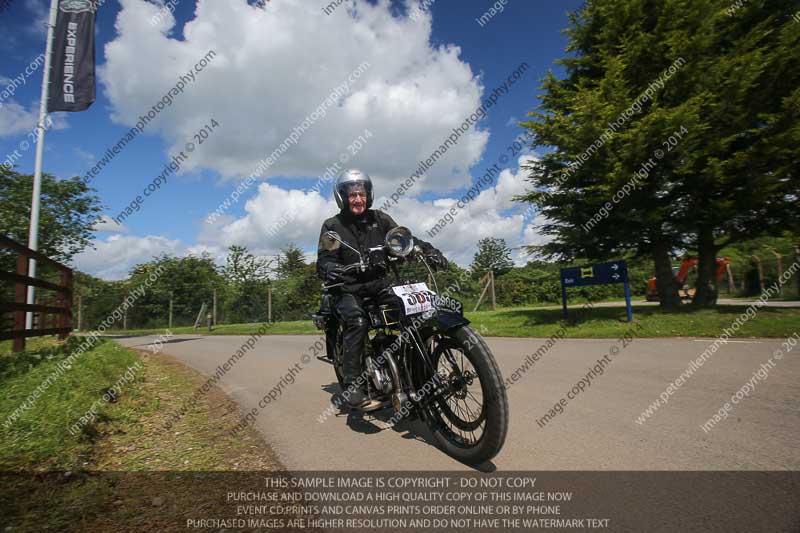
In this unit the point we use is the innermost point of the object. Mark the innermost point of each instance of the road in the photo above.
(597, 431)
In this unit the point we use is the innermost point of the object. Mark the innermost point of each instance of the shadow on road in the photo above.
(173, 341)
(414, 429)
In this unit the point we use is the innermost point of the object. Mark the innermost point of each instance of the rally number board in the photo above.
(417, 297)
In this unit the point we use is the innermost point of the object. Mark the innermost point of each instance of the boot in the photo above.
(354, 395)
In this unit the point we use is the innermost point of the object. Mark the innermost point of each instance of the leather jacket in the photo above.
(363, 232)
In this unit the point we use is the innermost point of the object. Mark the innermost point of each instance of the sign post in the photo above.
(597, 274)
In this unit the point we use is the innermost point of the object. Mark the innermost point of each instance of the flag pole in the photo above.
(33, 234)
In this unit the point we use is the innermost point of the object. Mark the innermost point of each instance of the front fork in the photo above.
(419, 349)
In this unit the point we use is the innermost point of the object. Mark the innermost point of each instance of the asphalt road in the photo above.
(597, 431)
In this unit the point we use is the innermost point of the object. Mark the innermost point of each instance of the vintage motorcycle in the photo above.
(421, 356)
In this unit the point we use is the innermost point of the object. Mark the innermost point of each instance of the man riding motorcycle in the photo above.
(362, 228)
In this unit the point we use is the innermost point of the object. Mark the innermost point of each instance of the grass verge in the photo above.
(123, 471)
(599, 323)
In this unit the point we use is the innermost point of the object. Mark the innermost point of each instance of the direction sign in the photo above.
(597, 274)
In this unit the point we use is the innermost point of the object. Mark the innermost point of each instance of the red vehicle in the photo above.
(681, 274)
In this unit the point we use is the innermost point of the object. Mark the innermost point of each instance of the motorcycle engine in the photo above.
(377, 370)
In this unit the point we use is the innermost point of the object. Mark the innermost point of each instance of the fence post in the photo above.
(491, 277)
(760, 274)
(170, 309)
(269, 305)
(731, 283)
(20, 298)
(797, 260)
(780, 268)
(483, 292)
(215, 308)
(65, 320)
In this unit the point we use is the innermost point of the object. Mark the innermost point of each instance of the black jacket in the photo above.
(366, 231)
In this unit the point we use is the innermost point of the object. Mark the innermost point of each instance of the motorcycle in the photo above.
(421, 357)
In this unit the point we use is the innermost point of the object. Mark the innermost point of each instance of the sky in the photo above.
(371, 84)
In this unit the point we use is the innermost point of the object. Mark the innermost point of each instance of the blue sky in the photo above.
(269, 73)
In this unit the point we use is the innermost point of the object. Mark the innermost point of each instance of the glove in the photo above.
(438, 259)
(334, 273)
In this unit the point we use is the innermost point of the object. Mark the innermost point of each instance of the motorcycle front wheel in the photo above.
(469, 418)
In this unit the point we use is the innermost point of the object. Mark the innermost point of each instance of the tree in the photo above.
(66, 218)
(248, 285)
(190, 281)
(243, 267)
(290, 262)
(705, 157)
(493, 254)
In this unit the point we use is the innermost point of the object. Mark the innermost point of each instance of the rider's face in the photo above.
(357, 201)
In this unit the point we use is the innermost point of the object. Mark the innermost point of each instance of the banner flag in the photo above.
(72, 79)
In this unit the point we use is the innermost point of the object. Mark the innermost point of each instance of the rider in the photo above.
(362, 228)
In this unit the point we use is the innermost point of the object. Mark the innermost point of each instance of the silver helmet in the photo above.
(350, 179)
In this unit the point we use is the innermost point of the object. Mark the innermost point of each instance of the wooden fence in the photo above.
(52, 319)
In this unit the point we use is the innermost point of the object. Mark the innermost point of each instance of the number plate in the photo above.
(417, 297)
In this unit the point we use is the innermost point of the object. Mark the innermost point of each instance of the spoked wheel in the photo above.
(469, 418)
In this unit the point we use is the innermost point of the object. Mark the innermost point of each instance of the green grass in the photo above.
(101, 490)
(40, 437)
(31, 345)
(610, 322)
(600, 322)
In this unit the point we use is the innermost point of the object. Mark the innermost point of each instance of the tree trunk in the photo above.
(706, 293)
(668, 296)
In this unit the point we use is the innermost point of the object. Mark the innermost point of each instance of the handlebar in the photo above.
(361, 266)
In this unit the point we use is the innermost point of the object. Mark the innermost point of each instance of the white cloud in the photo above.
(491, 214)
(107, 224)
(276, 65)
(16, 120)
(114, 257)
(297, 217)
(532, 236)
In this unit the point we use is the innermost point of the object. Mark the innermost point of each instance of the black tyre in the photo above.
(470, 421)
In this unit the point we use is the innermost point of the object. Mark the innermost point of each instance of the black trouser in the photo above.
(355, 325)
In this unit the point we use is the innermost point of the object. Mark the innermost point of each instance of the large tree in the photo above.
(725, 102)
(68, 212)
(493, 254)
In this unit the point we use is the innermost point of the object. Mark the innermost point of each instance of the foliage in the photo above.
(247, 283)
(242, 267)
(66, 217)
(290, 262)
(298, 296)
(493, 254)
(734, 99)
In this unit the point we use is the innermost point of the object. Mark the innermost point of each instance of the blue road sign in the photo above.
(597, 274)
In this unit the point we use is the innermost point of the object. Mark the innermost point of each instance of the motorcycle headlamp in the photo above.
(399, 241)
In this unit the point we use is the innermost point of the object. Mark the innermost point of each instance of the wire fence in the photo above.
(296, 298)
